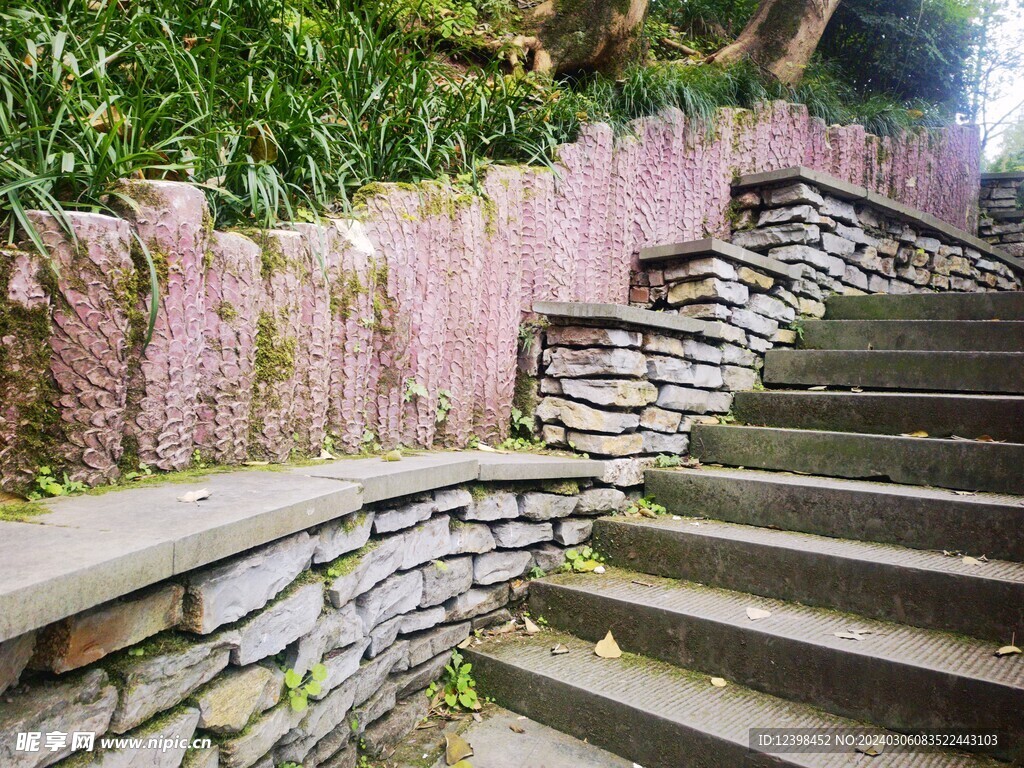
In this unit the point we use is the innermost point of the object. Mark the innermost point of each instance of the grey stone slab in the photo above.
(279, 624)
(256, 741)
(545, 506)
(496, 745)
(509, 467)
(493, 567)
(427, 645)
(643, 319)
(444, 579)
(405, 516)
(228, 703)
(382, 480)
(342, 536)
(14, 656)
(712, 246)
(397, 594)
(176, 731)
(336, 628)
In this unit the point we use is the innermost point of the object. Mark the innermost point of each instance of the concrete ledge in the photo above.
(1010, 175)
(851, 192)
(88, 550)
(510, 467)
(645, 319)
(390, 479)
(719, 248)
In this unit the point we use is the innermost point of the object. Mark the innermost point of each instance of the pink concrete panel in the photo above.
(233, 289)
(170, 220)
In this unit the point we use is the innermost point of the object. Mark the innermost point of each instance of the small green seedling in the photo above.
(582, 560)
(646, 507)
(301, 687)
(457, 689)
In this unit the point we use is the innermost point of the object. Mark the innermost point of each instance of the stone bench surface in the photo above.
(88, 550)
(634, 317)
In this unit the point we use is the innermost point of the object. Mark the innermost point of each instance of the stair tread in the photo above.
(887, 554)
(1006, 305)
(863, 486)
(930, 649)
(682, 697)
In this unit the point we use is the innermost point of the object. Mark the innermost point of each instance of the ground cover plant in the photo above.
(282, 109)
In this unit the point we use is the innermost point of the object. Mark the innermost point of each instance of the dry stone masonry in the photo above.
(380, 597)
(628, 383)
(1002, 211)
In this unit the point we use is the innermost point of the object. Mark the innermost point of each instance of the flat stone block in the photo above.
(225, 593)
(511, 467)
(659, 442)
(516, 534)
(477, 601)
(470, 538)
(428, 645)
(496, 506)
(87, 637)
(382, 480)
(406, 516)
(545, 506)
(563, 362)
(708, 290)
(281, 623)
(228, 703)
(494, 567)
(572, 532)
(427, 541)
(339, 537)
(582, 417)
(396, 594)
(14, 657)
(660, 420)
(618, 393)
(687, 400)
(584, 336)
(335, 628)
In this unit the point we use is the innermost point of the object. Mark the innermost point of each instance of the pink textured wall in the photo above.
(426, 288)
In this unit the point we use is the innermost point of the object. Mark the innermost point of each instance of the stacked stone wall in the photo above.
(379, 598)
(1002, 211)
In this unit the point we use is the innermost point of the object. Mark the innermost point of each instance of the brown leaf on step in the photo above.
(755, 614)
(919, 433)
(642, 583)
(818, 389)
(465, 643)
(968, 560)
(852, 634)
(966, 493)
(857, 389)
(516, 729)
(463, 764)
(477, 717)
(718, 682)
(456, 748)
(1009, 650)
(559, 650)
(531, 628)
(986, 439)
(194, 496)
(871, 750)
(608, 648)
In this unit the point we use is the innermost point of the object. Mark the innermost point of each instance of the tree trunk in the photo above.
(585, 35)
(781, 37)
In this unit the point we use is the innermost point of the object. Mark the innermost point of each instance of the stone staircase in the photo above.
(820, 509)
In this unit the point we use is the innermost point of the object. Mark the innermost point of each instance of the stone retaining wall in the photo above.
(632, 390)
(379, 597)
(1002, 211)
(399, 326)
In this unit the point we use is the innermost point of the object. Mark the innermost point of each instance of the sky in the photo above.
(1013, 93)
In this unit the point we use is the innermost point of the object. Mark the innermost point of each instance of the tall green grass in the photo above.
(283, 108)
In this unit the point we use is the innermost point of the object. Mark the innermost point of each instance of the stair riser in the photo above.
(994, 372)
(635, 734)
(983, 608)
(911, 335)
(1001, 418)
(915, 522)
(956, 464)
(897, 696)
(950, 306)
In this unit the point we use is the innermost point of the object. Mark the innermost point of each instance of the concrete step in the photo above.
(1002, 305)
(655, 714)
(899, 677)
(1001, 417)
(907, 516)
(923, 589)
(944, 335)
(959, 464)
(929, 371)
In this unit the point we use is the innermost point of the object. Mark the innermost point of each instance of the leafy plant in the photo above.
(522, 424)
(143, 471)
(582, 560)
(413, 389)
(301, 687)
(444, 405)
(457, 689)
(536, 572)
(47, 485)
(646, 507)
(667, 461)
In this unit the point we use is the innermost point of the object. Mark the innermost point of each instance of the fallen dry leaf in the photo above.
(718, 682)
(818, 389)
(966, 493)
(852, 634)
(1008, 650)
(559, 650)
(392, 456)
(456, 748)
(255, 463)
(919, 433)
(531, 628)
(194, 496)
(968, 560)
(465, 643)
(516, 729)
(857, 389)
(871, 750)
(754, 614)
(608, 648)
(599, 569)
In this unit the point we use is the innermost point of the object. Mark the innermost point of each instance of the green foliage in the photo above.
(582, 560)
(912, 49)
(536, 572)
(667, 461)
(707, 23)
(142, 472)
(522, 424)
(301, 687)
(444, 406)
(457, 688)
(647, 507)
(413, 389)
(45, 484)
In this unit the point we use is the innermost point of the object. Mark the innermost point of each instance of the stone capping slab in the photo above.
(712, 246)
(851, 192)
(510, 467)
(1003, 176)
(92, 549)
(645, 319)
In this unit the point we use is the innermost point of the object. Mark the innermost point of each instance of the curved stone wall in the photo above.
(399, 326)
